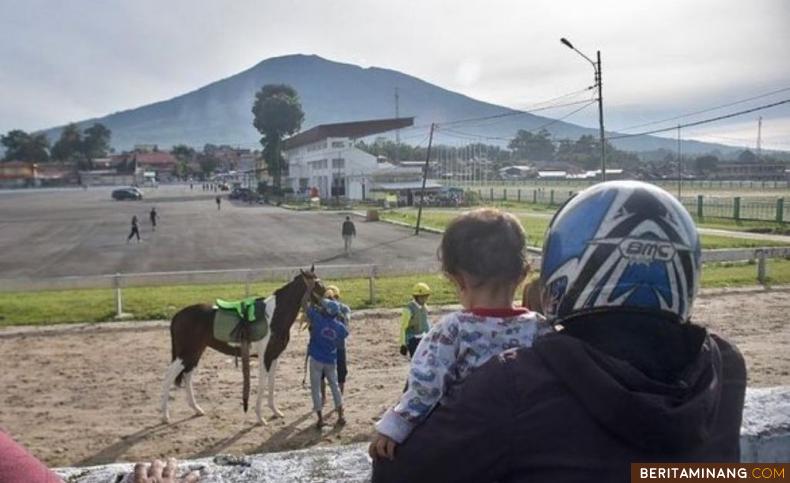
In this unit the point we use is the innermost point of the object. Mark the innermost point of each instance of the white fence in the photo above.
(119, 281)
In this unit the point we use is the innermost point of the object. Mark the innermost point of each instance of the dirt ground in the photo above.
(90, 396)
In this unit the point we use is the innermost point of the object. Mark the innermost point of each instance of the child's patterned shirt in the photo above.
(452, 349)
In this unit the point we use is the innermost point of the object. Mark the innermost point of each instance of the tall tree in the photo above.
(535, 147)
(278, 113)
(746, 156)
(184, 154)
(706, 164)
(96, 141)
(208, 164)
(69, 146)
(22, 146)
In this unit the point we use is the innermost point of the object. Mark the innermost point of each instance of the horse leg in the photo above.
(191, 393)
(277, 412)
(172, 372)
(262, 376)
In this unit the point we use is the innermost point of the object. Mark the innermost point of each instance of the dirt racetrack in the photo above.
(90, 396)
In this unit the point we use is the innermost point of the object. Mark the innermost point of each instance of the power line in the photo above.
(703, 110)
(513, 113)
(543, 126)
(704, 121)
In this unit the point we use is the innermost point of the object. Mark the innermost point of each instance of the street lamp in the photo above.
(599, 84)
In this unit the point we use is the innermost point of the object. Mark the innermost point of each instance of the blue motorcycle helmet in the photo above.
(620, 245)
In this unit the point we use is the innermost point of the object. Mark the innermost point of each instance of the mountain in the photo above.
(220, 113)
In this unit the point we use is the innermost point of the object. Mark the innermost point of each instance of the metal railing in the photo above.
(747, 208)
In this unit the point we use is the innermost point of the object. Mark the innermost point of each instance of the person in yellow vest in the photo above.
(414, 320)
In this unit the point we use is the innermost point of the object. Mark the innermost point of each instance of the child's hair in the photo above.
(488, 244)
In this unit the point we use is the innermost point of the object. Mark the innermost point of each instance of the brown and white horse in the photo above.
(192, 330)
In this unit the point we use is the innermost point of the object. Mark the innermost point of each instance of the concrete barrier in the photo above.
(765, 437)
(765, 432)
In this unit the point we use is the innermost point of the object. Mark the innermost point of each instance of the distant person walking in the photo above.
(219, 202)
(152, 215)
(349, 232)
(135, 230)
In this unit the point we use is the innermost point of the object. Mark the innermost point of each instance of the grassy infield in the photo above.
(145, 303)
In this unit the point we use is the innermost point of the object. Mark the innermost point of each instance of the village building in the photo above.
(325, 158)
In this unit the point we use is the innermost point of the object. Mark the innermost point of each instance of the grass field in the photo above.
(535, 226)
(148, 303)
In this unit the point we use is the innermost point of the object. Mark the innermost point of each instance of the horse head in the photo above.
(313, 284)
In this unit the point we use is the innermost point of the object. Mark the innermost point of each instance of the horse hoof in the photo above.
(199, 412)
(278, 414)
(166, 419)
(261, 421)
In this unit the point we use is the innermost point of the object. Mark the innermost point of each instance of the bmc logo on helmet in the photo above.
(644, 250)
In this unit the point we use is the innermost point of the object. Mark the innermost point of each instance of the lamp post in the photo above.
(599, 84)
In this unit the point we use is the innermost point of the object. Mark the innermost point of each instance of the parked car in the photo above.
(128, 193)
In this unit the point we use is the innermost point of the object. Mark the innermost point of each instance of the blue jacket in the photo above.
(326, 333)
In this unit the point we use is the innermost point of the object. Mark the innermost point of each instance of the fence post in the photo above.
(551, 197)
(700, 204)
(504, 194)
(491, 194)
(761, 275)
(247, 279)
(535, 196)
(372, 284)
(780, 210)
(518, 194)
(736, 208)
(118, 296)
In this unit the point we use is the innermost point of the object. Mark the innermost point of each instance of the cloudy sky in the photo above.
(64, 61)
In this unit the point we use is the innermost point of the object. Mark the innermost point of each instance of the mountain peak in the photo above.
(330, 92)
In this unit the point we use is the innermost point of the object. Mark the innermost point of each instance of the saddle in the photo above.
(237, 321)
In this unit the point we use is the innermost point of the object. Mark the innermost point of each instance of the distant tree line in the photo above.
(73, 145)
(585, 152)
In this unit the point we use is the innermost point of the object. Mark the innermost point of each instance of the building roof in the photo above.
(406, 185)
(520, 167)
(354, 130)
(155, 158)
(552, 174)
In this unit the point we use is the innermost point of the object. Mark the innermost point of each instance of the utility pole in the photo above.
(680, 169)
(598, 83)
(759, 138)
(599, 80)
(424, 179)
(397, 131)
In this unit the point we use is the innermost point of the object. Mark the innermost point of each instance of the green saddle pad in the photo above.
(227, 320)
(239, 306)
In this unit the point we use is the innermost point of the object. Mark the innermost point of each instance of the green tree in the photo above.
(706, 164)
(535, 147)
(278, 113)
(208, 164)
(747, 156)
(22, 146)
(69, 146)
(183, 154)
(96, 142)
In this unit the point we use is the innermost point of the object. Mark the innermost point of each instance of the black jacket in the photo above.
(348, 228)
(564, 411)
